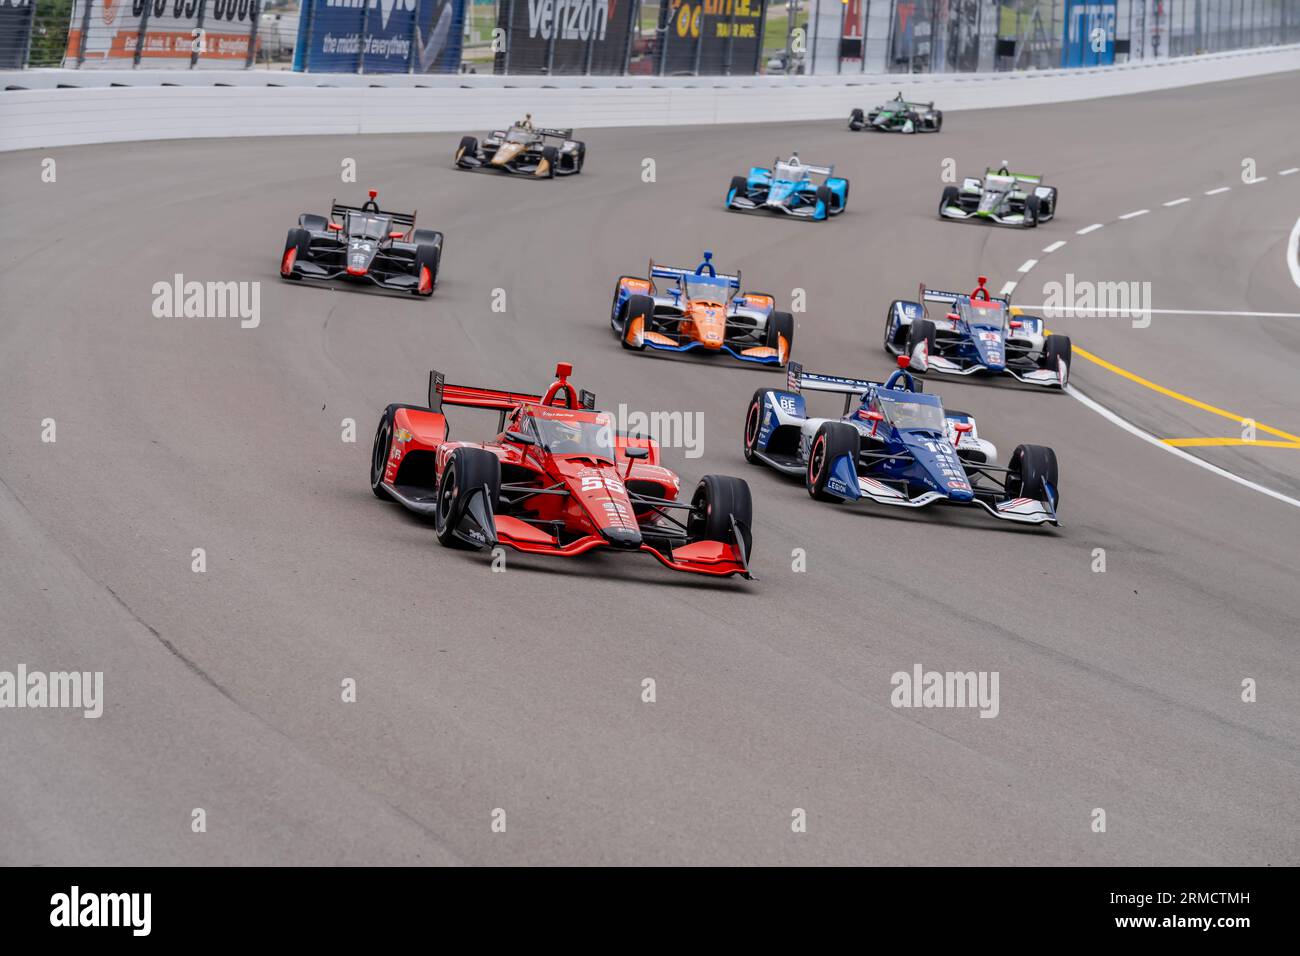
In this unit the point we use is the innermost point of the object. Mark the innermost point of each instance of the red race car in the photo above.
(557, 479)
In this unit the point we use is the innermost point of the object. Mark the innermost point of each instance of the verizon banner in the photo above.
(565, 36)
(15, 32)
(161, 33)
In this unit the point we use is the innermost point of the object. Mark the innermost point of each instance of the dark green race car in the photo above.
(899, 116)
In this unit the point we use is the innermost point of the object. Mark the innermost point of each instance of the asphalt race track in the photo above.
(523, 690)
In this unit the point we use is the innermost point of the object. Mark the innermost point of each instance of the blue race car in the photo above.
(977, 334)
(789, 188)
(895, 446)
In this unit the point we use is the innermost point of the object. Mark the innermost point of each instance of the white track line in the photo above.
(1027, 265)
(1081, 313)
(1054, 246)
(1008, 288)
(1087, 229)
(1178, 202)
(1132, 429)
(1293, 253)
(1288, 172)
(1134, 215)
(1215, 192)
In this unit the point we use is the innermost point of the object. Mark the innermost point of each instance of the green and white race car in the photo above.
(1004, 197)
(899, 115)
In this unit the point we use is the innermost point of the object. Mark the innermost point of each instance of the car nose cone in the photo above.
(625, 538)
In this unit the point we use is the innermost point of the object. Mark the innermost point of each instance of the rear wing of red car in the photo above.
(442, 392)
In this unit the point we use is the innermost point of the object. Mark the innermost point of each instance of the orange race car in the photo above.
(700, 308)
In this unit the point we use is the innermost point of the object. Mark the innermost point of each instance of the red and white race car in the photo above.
(558, 478)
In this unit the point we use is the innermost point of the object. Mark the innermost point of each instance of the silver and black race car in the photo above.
(899, 115)
(1004, 197)
(364, 244)
(524, 149)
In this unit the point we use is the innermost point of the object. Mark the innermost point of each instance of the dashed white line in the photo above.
(1215, 192)
(1054, 246)
(1288, 172)
(1132, 429)
(1087, 229)
(1008, 288)
(1027, 265)
(1257, 179)
(1178, 202)
(1134, 215)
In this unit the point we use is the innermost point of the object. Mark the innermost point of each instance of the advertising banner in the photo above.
(15, 32)
(1089, 33)
(565, 37)
(712, 37)
(161, 33)
(380, 36)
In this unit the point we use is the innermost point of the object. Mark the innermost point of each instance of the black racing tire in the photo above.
(753, 425)
(468, 468)
(468, 146)
(427, 257)
(717, 499)
(780, 323)
(427, 237)
(832, 440)
(579, 158)
(951, 197)
(298, 240)
(888, 343)
(920, 330)
(826, 195)
(1051, 204)
(551, 156)
(1030, 467)
(1056, 347)
(938, 120)
(312, 222)
(379, 451)
(857, 119)
(740, 184)
(636, 306)
(1033, 206)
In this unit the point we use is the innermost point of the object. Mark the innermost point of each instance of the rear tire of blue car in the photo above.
(636, 306)
(717, 500)
(833, 439)
(825, 199)
(921, 330)
(1031, 468)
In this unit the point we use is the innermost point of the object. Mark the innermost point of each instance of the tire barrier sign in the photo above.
(114, 33)
(15, 32)
(565, 37)
(712, 37)
(380, 36)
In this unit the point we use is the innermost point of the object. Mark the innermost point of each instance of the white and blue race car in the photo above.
(789, 188)
(976, 334)
(896, 445)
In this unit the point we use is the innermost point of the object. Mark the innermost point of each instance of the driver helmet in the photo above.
(568, 437)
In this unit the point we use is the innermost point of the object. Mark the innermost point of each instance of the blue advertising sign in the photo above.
(1089, 33)
(380, 36)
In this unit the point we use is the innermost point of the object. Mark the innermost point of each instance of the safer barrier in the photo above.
(45, 118)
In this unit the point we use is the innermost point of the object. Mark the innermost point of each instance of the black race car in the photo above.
(365, 244)
(524, 149)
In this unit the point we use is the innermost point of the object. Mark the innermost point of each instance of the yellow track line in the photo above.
(1187, 399)
(1220, 442)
